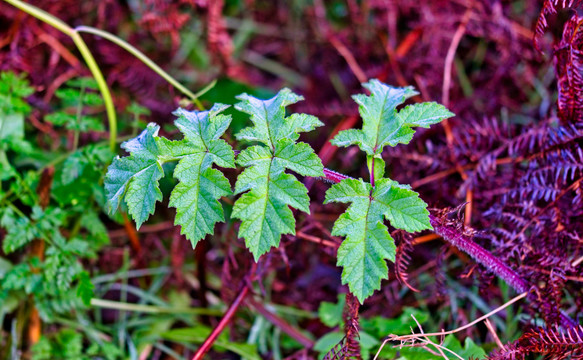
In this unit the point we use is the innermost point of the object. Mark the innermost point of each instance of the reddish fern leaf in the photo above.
(569, 67)
(551, 7)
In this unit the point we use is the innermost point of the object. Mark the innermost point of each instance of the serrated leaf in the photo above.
(368, 245)
(143, 192)
(135, 178)
(144, 145)
(195, 198)
(196, 195)
(264, 210)
(424, 115)
(382, 124)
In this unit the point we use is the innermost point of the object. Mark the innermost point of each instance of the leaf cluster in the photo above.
(368, 244)
(56, 281)
(75, 97)
(267, 190)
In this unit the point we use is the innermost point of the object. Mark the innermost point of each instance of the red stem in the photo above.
(208, 343)
(478, 253)
(282, 324)
(452, 235)
(372, 173)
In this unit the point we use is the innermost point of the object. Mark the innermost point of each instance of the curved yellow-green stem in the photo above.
(87, 56)
(94, 68)
(143, 58)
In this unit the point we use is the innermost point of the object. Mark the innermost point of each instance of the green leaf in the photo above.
(11, 126)
(330, 314)
(73, 167)
(85, 288)
(471, 350)
(19, 231)
(402, 206)
(13, 89)
(135, 178)
(382, 124)
(196, 196)
(264, 210)
(368, 243)
(424, 115)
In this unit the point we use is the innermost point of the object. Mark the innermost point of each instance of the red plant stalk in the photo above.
(208, 343)
(478, 253)
(450, 234)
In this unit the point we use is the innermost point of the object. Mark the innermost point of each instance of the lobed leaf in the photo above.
(269, 192)
(382, 124)
(368, 244)
(196, 195)
(134, 179)
(423, 115)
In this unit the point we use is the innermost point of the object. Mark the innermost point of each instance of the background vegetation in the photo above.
(505, 174)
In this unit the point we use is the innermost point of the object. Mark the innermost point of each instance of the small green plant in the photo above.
(71, 202)
(266, 191)
(378, 327)
(368, 243)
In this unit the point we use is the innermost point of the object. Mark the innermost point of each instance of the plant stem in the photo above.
(478, 253)
(87, 56)
(143, 58)
(372, 172)
(282, 324)
(208, 343)
(351, 327)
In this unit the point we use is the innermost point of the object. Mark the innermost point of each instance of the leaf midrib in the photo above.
(379, 123)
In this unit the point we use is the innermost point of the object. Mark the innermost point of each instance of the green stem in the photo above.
(108, 304)
(143, 58)
(87, 56)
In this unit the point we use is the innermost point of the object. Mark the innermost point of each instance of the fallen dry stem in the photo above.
(417, 337)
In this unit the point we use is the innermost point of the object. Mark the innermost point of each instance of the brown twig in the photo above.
(459, 33)
(317, 240)
(325, 29)
(132, 234)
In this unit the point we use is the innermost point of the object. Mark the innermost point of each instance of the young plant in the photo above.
(267, 191)
(368, 243)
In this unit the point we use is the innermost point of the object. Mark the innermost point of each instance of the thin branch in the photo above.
(492, 331)
(414, 337)
(461, 328)
(208, 343)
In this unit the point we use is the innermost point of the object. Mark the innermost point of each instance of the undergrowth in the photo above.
(238, 216)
